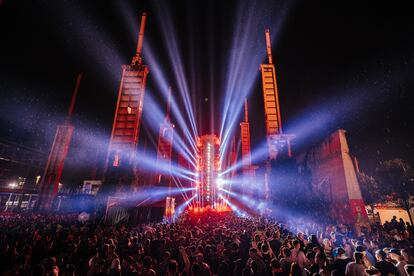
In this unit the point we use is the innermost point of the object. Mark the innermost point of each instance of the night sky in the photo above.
(339, 65)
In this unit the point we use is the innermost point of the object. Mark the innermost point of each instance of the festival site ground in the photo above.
(201, 244)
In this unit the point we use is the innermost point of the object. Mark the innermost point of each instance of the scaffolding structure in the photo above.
(49, 185)
(248, 169)
(278, 143)
(208, 168)
(127, 121)
(164, 149)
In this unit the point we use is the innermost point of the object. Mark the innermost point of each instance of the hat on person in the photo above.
(386, 250)
(395, 251)
(340, 251)
(381, 253)
(360, 248)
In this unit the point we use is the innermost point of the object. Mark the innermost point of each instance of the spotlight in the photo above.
(13, 185)
(220, 182)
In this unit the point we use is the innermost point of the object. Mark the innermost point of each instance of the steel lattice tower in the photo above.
(248, 169)
(165, 142)
(278, 143)
(54, 167)
(125, 130)
(208, 167)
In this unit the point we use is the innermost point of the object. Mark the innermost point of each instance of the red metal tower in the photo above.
(248, 169)
(208, 167)
(125, 131)
(232, 157)
(54, 167)
(231, 162)
(278, 143)
(165, 141)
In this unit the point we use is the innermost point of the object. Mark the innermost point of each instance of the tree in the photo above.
(396, 178)
(370, 189)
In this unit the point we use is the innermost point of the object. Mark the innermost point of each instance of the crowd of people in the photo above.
(203, 244)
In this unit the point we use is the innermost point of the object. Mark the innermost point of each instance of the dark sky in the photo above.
(339, 65)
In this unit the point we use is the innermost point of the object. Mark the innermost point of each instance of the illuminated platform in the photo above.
(205, 210)
(208, 168)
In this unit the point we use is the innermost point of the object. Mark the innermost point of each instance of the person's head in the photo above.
(341, 251)
(386, 250)
(112, 248)
(234, 246)
(195, 269)
(360, 248)
(276, 235)
(264, 248)
(172, 267)
(367, 243)
(253, 252)
(50, 263)
(316, 249)
(275, 264)
(310, 255)
(405, 255)
(286, 252)
(374, 245)
(326, 243)
(313, 239)
(166, 255)
(358, 257)
(140, 249)
(147, 262)
(296, 244)
(380, 255)
(126, 262)
(395, 254)
(200, 258)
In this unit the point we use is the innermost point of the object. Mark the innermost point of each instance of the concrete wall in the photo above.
(334, 177)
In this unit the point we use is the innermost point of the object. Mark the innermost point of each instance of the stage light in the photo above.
(181, 208)
(13, 185)
(220, 182)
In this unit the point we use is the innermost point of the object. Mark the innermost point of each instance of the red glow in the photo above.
(197, 211)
